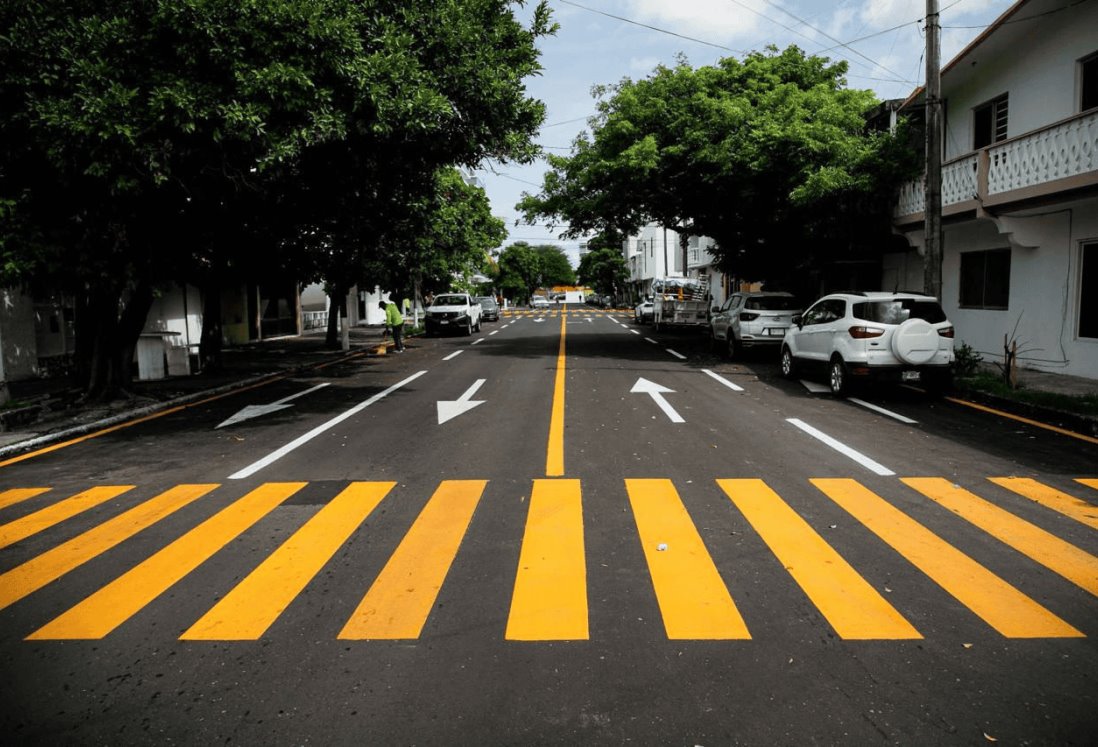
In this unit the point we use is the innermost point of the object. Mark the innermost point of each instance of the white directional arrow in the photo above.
(644, 386)
(539, 319)
(448, 410)
(254, 411)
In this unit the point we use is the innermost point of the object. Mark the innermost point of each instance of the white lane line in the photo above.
(842, 448)
(680, 356)
(649, 339)
(815, 387)
(453, 355)
(478, 340)
(633, 331)
(881, 410)
(496, 331)
(304, 439)
(726, 382)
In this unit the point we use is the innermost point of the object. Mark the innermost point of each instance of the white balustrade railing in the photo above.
(912, 198)
(959, 180)
(1063, 150)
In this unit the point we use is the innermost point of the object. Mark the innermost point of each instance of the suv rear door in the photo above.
(818, 325)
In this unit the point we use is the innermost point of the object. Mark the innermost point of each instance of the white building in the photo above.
(1019, 190)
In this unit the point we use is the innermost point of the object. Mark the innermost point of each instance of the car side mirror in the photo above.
(799, 321)
(715, 310)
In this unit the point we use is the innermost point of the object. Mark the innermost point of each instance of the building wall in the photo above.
(17, 336)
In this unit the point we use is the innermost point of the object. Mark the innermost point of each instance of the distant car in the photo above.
(456, 312)
(751, 319)
(873, 335)
(644, 312)
(489, 308)
(539, 302)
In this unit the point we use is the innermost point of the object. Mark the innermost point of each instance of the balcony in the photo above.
(1042, 164)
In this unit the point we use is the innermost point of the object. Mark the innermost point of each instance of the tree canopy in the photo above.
(523, 269)
(770, 156)
(604, 269)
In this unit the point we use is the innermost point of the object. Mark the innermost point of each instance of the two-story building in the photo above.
(1019, 190)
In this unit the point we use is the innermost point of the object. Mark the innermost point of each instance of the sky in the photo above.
(882, 40)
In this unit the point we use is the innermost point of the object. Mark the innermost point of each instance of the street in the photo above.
(567, 528)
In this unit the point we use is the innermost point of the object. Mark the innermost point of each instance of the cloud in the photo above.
(716, 21)
(643, 64)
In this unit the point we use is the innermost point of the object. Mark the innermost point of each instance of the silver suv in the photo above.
(749, 319)
(874, 335)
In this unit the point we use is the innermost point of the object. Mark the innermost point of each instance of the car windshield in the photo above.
(487, 301)
(449, 301)
(899, 311)
(772, 303)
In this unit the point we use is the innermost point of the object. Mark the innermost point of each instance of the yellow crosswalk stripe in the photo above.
(999, 604)
(1090, 483)
(17, 495)
(549, 600)
(693, 599)
(1077, 566)
(1068, 505)
(128, 594)
(854, 608)
(246, 612)
(52, 564)
(398, 603)
(43, 519)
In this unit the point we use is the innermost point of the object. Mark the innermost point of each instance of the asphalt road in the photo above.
(628, 539)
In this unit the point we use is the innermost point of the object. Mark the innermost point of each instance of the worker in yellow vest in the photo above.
(395, 322)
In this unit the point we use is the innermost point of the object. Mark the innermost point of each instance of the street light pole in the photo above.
(932, 202)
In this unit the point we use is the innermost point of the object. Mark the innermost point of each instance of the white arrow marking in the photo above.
(644, 386)
(539, 319)
(254, 411)
(448, 410)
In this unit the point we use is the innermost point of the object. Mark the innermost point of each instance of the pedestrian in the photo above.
(395, 322)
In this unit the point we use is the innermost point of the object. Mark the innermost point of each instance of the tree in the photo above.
(604, 270)
(131, 134)
(770, 156)
(519, 271)
(554, 266)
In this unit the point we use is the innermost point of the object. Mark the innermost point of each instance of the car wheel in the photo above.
(468, 327)
(478, 325)
(836, 377)
(733, 347)
(788, 364)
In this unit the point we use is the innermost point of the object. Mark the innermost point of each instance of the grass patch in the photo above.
(992, 384)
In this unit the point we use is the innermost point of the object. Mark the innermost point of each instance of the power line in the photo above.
(653, 28)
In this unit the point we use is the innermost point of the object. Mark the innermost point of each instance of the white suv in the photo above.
(889, 336)
(453, 312)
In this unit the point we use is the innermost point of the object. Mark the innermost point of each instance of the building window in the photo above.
(1088, 83)
(985, 279)
(989, 123)
(1088, 291)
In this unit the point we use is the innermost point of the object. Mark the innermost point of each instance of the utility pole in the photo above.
(932, 202)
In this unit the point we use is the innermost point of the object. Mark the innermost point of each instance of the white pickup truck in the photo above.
(453, 312)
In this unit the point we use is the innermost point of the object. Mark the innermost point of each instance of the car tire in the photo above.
(733, 348)
(837, 377)
(788, 364)
(468, 327)
(478, 325)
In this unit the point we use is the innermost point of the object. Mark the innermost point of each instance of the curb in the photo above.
(1086, 425)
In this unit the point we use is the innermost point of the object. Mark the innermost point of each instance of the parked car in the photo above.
(752, 319)
(644, 312)
(453, 312)
(539, 302)
(489, 308)
(875, 335)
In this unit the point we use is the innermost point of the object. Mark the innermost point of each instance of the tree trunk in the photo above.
(337, 308)
(209, 347)
(110, 338)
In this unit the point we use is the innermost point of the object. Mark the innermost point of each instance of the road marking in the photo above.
(18, 495)
(493, 332)
(44, 518)
(398, 603)
(842, 448)
(649, 339)
(554, 457)
(254, 411)
(726, 382)
(549, 601)
(881, 410)
(453, 355)
(1019, 418)
(855, 609)
(1077, 566)
(814, 387)
(478, 341)
(996, 602)
(694, 602)
(1068, 505)
(56, 562)
(304, 439)
(633, 331)
(128, 594)
(246, 612)
(1088, 482)
(680, 356)
(450, 409)
(656, 392)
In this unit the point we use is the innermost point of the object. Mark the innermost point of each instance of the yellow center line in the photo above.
(246, 612)
(1068, 505)
(693, 599)
(55, 563)
(47, 517)
(398, 603)
(855, 609)
(554, 460)
(999, 604)
(1020, 419)
(128, 594)
(549, 601)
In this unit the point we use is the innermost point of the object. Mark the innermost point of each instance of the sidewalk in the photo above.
(48, 410)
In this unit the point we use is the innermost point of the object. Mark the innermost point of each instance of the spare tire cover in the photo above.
(915, 341)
